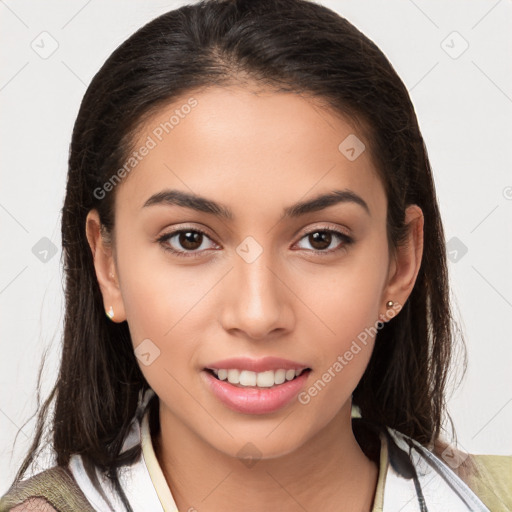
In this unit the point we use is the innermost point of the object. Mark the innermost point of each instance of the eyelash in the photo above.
(346, 240)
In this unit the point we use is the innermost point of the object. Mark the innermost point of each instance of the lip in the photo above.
(256, 365)
(253, 400)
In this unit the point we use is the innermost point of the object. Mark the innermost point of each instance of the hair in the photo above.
(294, 46)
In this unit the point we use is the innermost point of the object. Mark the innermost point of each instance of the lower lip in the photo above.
(252, 400)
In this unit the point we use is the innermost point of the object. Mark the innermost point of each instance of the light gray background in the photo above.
(464, 106)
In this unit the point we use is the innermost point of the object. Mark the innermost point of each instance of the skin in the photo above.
(255, 152)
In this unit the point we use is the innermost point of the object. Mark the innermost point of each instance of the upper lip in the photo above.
(256, 365)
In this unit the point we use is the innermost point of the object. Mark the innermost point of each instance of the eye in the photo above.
(190, 242)
(183, 241)
(322, 239)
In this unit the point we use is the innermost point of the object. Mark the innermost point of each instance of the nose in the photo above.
(257, 301)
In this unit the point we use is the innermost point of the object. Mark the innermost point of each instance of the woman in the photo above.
(256, 285)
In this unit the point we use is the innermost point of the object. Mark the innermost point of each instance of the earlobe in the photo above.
(105, 268)
(407, 261)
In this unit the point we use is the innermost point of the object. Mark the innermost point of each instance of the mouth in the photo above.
(249, 392)
(250, 379)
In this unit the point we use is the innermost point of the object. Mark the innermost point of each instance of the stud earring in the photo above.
(110, 312)
(389, 304)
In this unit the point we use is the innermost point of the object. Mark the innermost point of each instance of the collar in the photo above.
(154, 469)
(434, 489)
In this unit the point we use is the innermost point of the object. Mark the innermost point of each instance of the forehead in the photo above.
(249, 148)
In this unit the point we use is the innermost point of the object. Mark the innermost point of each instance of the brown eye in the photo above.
(190, 240)
(321, 239)
(186, 242)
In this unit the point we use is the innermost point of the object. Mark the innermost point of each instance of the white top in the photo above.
(147, 490)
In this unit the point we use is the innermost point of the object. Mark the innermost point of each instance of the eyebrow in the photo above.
(202, 204)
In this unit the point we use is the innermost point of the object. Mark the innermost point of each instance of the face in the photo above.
(218, 257)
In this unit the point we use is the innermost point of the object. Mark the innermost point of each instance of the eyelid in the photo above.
(326, 227)
(178, 229)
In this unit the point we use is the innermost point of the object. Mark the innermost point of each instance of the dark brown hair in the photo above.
(287, 45)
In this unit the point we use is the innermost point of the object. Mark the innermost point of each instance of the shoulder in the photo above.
(51, 490)
(483, 482)
(488, 476)
(34, 505)
(491, 480)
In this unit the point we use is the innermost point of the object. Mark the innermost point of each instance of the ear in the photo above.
(104, 263)
(405, 264)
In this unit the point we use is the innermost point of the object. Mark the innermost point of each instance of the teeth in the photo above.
(234, 376)
(279, 376)
(247, 378)
(265, 379)
(262, 379)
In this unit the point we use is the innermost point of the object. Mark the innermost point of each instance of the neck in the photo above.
(327, 471)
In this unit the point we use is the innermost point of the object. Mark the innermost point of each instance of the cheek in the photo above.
(156, 293)
(167, 308)
(346, 301)
(341, 358)
(345, 298)
(160, 312)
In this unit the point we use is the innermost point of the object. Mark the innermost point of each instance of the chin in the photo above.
(260, 443)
